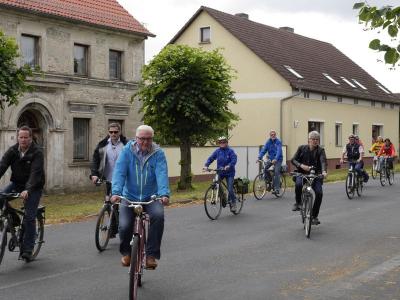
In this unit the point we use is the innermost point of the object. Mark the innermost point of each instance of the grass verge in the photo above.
(75, 207)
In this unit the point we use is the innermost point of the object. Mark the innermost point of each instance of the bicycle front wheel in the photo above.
(390, 176)
(282, 188)
(3, 237)
(102, 234)
(382, 176)
(134, 268)
(308, 204)
(349, 186)
(39, 236)
(259, 186)
(212, 203)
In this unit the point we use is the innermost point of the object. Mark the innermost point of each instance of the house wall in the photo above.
(60, 96)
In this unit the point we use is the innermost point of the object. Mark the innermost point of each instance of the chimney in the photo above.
(286, 28)
(242, 15)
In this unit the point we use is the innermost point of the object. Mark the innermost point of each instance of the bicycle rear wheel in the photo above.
(382, 176)
(282, 188)
(102, 234)
(390, 176)
(259, 186)
(239, 202)
(373, 169)
(360, 185)
(349, 186)
(308, 214)
(134, 268)
(39, 236)
(212, 203)
(3, 237)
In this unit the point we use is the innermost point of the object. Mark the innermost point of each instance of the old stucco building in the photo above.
(90, 54)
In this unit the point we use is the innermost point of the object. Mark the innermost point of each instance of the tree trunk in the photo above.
(185, 181)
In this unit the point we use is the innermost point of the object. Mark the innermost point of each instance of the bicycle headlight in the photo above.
(138, 209)
(309, 189)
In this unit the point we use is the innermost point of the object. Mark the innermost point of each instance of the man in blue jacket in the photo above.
(226, 159)
(273, 147)
(140, 172)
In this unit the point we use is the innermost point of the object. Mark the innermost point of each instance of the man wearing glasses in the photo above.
(226, 159)
(307, 156)
(140, 172)
(104, 158)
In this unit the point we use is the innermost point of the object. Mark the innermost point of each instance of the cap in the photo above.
(222, 138)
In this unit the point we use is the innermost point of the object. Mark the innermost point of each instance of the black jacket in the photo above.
(26, 172)
(99, 155)
(316, 158)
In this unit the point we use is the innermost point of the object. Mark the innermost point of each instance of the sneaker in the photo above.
(233, 207)
(275, 192)
(296, 207)
(27, 255)
(315, 221)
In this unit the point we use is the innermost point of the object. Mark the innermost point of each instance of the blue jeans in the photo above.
(31, 205)
(277, 174)
(358, 167)
(317, 187)
(156, 228)
(231, 191)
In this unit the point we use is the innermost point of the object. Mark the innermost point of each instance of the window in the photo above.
(80, 59)
(291, 70)
(330, 78)
(359, 84)
(338, 134)
(391, 106)
(30, 50)
(356, 129)
(377, 130)
(115, 64)
(205, 35)
(383, 104)
(355, 101)
(324, 97)
(383, 89)
(81, 139)
(373, 103)
(317, 126)
(348, 82)
(339, 99)
(306, 94)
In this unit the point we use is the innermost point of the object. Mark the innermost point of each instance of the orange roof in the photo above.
(104, 13)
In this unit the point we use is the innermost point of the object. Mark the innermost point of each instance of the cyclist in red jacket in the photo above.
(387, 150)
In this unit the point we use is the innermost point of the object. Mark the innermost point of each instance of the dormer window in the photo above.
(348, 82)
(359, 84)
(205, 35)
(330, 78)
(291, 70)
(383, 89)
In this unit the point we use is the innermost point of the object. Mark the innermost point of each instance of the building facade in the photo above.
(90, 56)
(293, 84)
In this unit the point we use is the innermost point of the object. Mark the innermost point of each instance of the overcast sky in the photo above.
(332, 21)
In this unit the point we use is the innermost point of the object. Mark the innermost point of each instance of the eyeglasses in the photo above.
(222, 142)
(144, 139)
(111, 132)
(314, 139)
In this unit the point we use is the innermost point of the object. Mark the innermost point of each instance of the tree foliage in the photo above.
(386, 18)
(12, 78)
(186, 94)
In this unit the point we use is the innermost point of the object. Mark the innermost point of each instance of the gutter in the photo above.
(281, 111)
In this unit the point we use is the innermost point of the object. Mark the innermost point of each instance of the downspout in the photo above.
(281, 111)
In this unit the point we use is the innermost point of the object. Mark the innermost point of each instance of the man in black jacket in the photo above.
(27, 178)
(307, 156)
(104, 158)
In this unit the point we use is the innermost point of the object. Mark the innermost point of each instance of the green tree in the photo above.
(384, 18)
(12, 78)
(186, 95)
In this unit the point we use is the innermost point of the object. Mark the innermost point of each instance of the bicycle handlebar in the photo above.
(214, 170)
(10, 195)
(135, 203)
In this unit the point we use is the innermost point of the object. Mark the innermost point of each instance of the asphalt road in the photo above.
(259, 254)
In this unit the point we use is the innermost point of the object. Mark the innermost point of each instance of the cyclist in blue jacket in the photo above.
(273, 147)
(226, 159)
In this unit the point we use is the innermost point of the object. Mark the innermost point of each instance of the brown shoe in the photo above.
(126, 261)
(151, 263)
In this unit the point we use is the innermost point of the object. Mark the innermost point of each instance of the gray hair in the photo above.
(145, 128)
(313, 135)
(272, 130)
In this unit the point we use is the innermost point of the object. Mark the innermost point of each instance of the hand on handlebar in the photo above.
(226, 167)
(324, 174)
(341, 161)
(305, 167)
(206, 169)
(115, 199)
(94, 179)
(164, 201)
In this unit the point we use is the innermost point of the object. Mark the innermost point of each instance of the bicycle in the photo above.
(386, 174)
(138, 244)
(307, 198)
(354, 182)
(263, 184)
(12, 222)
(216, 196)
(107, 220)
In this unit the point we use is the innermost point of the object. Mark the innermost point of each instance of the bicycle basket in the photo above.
(242, 185)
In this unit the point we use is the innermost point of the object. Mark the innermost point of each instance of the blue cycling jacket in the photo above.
(139, 181)
(224, 156)
(273, 148)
